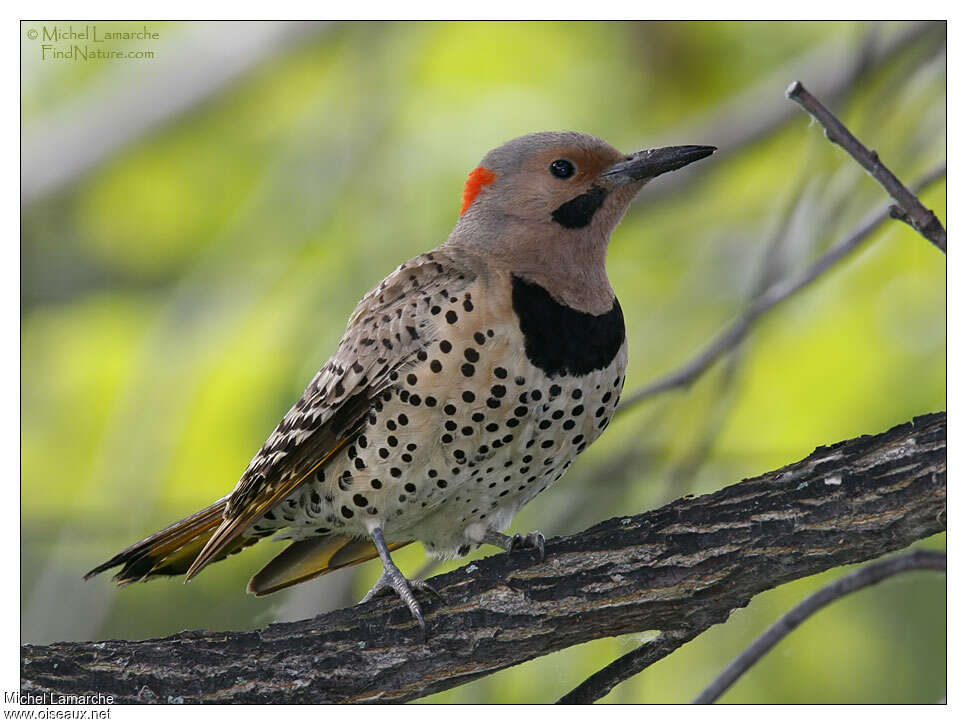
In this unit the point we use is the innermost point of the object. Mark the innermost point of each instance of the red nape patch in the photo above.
(478, 178)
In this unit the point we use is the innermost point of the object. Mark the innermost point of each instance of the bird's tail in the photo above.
(172, 550)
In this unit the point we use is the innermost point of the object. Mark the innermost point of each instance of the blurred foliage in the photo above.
(176, 299)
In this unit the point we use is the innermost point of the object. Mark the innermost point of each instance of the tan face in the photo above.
(569, 180)
(550, 178)
(543, 207)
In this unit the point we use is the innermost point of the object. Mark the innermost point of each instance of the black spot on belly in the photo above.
(579, 211)
(561, 340)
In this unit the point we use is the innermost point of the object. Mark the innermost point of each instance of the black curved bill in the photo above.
(650, 163)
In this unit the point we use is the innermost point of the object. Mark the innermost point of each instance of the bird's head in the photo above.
(544, 206)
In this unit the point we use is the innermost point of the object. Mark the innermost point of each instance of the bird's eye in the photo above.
(562, 169)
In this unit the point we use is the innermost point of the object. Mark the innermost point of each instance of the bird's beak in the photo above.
(650, 163)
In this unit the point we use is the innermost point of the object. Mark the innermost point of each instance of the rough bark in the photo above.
(686, 565)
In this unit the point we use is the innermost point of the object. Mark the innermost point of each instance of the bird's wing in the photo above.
(385, 334)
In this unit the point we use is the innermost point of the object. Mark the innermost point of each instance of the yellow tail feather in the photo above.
(307, 559)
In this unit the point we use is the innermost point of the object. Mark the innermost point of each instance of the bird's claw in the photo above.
(424, 587)
(394, 581)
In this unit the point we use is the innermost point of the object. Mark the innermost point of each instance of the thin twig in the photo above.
(737, 330)
(604, 680)
(913, 212)
(854, 581)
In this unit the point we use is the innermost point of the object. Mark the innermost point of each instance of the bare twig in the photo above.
(604, 680)
(910, 210)
(737, 330)
(854, 581)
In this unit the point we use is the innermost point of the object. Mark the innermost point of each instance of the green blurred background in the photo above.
(189, 261)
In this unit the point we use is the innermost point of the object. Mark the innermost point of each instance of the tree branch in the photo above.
(631, 664)
(739, 328)
(913, 212)
(854, 581)
(686, 565)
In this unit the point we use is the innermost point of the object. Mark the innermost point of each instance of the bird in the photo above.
(466, 382)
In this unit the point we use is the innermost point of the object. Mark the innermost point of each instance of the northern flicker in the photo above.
(465, 384)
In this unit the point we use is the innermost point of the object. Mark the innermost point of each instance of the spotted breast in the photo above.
(507, 387)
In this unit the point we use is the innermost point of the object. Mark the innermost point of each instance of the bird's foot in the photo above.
(533, 540)
(392, 580)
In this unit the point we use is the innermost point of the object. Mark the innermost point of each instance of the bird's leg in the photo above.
(392, 580)
(533, 540)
